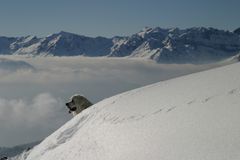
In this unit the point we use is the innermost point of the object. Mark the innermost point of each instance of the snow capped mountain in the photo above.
(175, 45)
(190, 117)
(144, 41)
(190, 45)
(62, 44)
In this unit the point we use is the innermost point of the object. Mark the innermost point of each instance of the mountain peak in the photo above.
(65, 33)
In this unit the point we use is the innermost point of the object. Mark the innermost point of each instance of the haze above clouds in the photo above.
(32, 97)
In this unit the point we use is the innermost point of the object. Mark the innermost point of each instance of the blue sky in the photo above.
(113, 17)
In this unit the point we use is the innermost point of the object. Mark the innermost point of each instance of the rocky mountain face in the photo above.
(162, 45)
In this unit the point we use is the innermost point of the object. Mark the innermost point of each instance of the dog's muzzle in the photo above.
(71, 109)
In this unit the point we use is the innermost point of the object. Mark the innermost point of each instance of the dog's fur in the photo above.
(77, 103)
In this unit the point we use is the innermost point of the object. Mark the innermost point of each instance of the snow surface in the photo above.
(194, 117)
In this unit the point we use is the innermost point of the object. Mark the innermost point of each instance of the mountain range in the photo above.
(174, 45)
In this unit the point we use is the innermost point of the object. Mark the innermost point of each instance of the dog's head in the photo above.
(77, 103)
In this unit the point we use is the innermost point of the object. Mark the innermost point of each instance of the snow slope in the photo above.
(195, 117)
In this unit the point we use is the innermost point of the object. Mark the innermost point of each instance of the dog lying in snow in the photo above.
(77, 103)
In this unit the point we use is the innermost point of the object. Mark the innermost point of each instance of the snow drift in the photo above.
(191, 117)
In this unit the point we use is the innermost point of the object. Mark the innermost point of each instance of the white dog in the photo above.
(77, 103)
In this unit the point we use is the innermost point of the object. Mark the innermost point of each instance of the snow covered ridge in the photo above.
(191, 117)
(162, 45)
